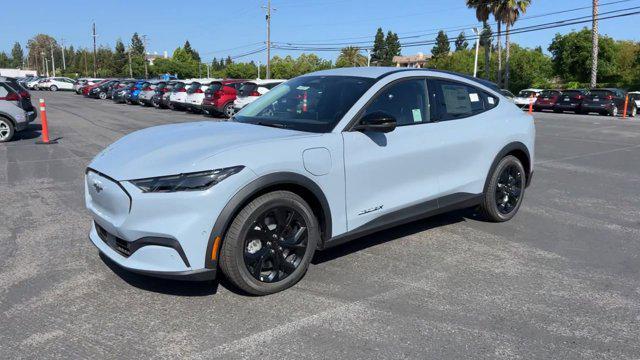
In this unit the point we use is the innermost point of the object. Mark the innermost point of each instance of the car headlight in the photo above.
(186, 182)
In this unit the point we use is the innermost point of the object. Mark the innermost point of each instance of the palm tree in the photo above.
(594, 46)
(483, 10)
(508, 12)
(351, 56)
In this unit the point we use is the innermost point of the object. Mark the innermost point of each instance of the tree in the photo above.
(378, 54)
(392, 48)
(120, 60)
(241, 71)
(461, 42)
(483, 10)
(137, 46)
(351, 56)
(40, 46)
(5, 62)
(194, 54)
(17, 55)
(442, 46)
(571, 55)
(508, 12)
(594, 46)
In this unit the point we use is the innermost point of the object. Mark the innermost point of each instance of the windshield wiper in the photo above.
(275, 125)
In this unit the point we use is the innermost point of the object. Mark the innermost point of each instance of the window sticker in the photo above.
(417, 115)
(474, 97)
(456, 99)
(490, 100)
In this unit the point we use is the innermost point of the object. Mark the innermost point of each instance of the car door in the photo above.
(467, 131)
(389, 172)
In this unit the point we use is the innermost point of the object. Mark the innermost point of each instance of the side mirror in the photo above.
(378, 121)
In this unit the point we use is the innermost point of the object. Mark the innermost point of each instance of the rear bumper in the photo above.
(596, 108)
(538, 106)
(567, 107)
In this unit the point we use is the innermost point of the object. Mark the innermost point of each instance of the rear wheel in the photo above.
(102, 95)
(505, 190)
(270, 243)
(614, 111)
(53, 88)
(228, 110)
(634, 111)
(6, 129)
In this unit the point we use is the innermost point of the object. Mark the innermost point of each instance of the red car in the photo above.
(87, 88)
(219, 97)
(547, 100)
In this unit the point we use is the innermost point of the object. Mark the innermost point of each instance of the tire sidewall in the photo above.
(12, 130)
(243, 222)
(227, 111)
(490, 195)
(103, 96)
(53, 88)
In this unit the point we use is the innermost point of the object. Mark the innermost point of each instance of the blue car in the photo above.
(319, 160)
(131, 96)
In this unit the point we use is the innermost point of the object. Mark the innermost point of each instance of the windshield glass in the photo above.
(549, 93)
(213, 87)
(571, 92)
(307, 103)
(526, 93)
(600, 93)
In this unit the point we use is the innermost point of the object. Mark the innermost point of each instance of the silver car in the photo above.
(16, 110)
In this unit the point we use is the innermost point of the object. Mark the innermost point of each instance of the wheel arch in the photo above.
(517, 149)
(289, 181)
(8, 117)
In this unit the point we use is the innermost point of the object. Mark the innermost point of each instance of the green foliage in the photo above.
(571, 54)
(194, 54)
(442, 46)
(461, 42)
(5, 61)
(241, 71)
(17, 55)
(351, 56)
(393, 48)
(137, 46)
(378, 54)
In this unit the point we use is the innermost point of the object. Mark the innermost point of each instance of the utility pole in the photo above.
(144, 56)
(64, 62)
(95, 61)
(268, 17)
(130, 68)
(53, 62)
(44, 64)
(86, 69)
(594, 46)
(475, 63)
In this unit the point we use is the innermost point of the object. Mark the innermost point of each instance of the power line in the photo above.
(515, 31)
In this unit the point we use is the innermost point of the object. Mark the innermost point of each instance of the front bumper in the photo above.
(160, 234)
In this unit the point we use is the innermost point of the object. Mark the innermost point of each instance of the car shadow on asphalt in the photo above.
(392, 234)
(32, 131)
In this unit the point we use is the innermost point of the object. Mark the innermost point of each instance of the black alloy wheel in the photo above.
(504, 191)
(509, 188)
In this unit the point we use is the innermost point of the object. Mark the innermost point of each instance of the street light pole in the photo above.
(268, 17)
(53, 62)
(475, 63)
(64, 62)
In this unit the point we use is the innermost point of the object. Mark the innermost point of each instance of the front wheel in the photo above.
(505, 190)
(102, 95)
(6, 130)
(270, 243)
(614, 111)
(53, 88)
(229, 110)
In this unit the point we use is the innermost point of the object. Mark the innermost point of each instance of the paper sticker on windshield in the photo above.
(490, 100)
(302, 88)
(417, 115)
(474, 97)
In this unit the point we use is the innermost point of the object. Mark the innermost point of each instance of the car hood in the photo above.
(178, 148)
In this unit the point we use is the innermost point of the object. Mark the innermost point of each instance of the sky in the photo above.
(220, 28)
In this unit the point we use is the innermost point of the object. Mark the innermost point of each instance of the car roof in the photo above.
(380, 72)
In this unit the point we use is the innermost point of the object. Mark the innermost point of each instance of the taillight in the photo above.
(164, 90)
(25, 94)
(609, 97)
(182, 90)
(147, 89)
(254, 93)
(198, 91)
(579, 97)
(135, 88)
(12, 97)
(218, 94)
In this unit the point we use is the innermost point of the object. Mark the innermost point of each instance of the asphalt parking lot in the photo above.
(561, 280)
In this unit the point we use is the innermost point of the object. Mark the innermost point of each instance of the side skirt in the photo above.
(407, 215)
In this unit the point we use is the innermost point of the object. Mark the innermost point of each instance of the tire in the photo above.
(236, 257)
(156, 102)
(499, 185)
(634, 112)
(102, 95)
(53, 88)
(614, 111)
(6, 130)
(228, 110)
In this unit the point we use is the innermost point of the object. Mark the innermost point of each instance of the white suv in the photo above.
(179, 95)
(251, 90)
(195, 94)
(57, 83)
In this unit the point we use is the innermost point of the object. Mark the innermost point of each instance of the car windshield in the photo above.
(571, 92)
(600, 93)
(213, 87)
(307, 103)
(549, 93)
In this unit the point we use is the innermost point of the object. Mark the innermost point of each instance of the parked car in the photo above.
(251, 90)
(131, 96)
(325, 158)
(607, 102)
(195, 95)
(546, 100)
(82, 82)
(119, 94)
(16, 110)
(103, 91)
(508, 94)
(31, 84)
(526, 97)
(86, 89)
(146, 93)
(570, 100)
(57, 83)
(219, 97)
(163, 88)
(179, 95)
(164, 98)
(634, 96)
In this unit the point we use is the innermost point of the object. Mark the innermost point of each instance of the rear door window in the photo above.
(457, 100)
(247, 88)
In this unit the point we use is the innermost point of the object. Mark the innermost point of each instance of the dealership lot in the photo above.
(561, 280)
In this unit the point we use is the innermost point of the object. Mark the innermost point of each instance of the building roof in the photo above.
(419, 57)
